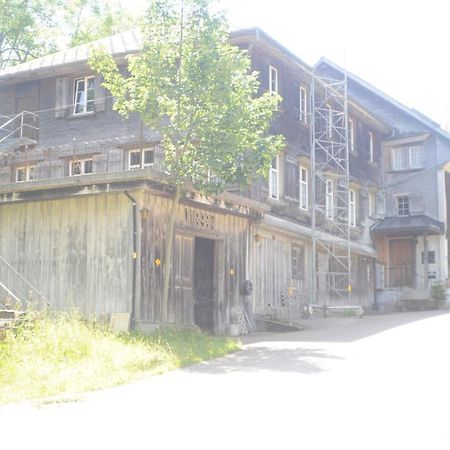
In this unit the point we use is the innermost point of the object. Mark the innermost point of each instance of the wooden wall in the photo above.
(230, 233)
(271, 270)
(77, 251)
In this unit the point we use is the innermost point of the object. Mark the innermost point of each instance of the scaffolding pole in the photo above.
(332, 206)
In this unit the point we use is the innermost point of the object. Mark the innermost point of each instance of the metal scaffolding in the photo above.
(332, 205)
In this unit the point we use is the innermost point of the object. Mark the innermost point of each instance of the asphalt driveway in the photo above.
(380, 382)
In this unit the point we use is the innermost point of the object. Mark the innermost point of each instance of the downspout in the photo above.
(134, 256)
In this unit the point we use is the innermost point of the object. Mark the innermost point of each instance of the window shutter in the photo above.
(62, 97)
(100, 94)
(291, 180)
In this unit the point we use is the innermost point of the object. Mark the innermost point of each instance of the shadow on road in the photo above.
(264, 358)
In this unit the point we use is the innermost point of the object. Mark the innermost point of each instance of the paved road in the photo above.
(380, 382)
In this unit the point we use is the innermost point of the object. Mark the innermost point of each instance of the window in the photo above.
(273, 179)
(370, 144)
(298, 261)
(303, 105)
(372, 204)
(273, 79)
(405, 158)
(351, 135)
(27, 173)
(329, 120)
(303, 188)
(81, 167)
(403, 205)
(431, 257)
(416, 157)
(329, 199)
(352, 207)
(138, 159)
(84, 94)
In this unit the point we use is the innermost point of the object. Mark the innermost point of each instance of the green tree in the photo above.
(89, 20)
(198, 92)
(33, 28)
(23, 30)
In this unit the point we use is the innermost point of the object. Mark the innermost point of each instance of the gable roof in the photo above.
(119, 44)
(414, 114)
(257, 35)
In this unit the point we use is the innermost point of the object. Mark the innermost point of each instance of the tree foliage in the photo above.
(23, 30)
(32, 28)
(197, 90)
(89, 20)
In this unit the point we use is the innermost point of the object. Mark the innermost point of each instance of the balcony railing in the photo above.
(22, 126)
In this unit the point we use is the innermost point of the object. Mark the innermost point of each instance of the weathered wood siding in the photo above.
(77, 251)
(229, 231)
(276, 286)
(271, 270)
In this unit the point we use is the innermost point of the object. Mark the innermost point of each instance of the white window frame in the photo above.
(85, 102)
(352, 207)
(371, 147)
(329, 120)
(407, 156)
(142, 163)
(351, 135)
(29, 171)
(403, 211)
(303, 199)
(82, 167)
(372, 203)
(273, 79)
(274, 179)
(303, 105)
(329, 198)
(298, 250)
(421, 164)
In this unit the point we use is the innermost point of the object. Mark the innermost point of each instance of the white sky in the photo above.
(401, 47)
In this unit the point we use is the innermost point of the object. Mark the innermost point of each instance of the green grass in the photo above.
(63, 354)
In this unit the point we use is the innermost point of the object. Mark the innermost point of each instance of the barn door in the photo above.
(182, 308)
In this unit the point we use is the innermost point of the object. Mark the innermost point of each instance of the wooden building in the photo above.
(84, 201)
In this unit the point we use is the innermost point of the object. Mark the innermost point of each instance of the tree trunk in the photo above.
(167, 262)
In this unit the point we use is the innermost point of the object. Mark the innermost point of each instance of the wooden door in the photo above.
(204, 284)
(181, 311)
(401, 262)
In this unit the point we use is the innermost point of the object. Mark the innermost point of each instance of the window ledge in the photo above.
(81, 115)
(406, 170)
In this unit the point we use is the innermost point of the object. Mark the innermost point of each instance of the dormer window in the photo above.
(273, 79)
(140, 158)
(84, 94)
(408, 158)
